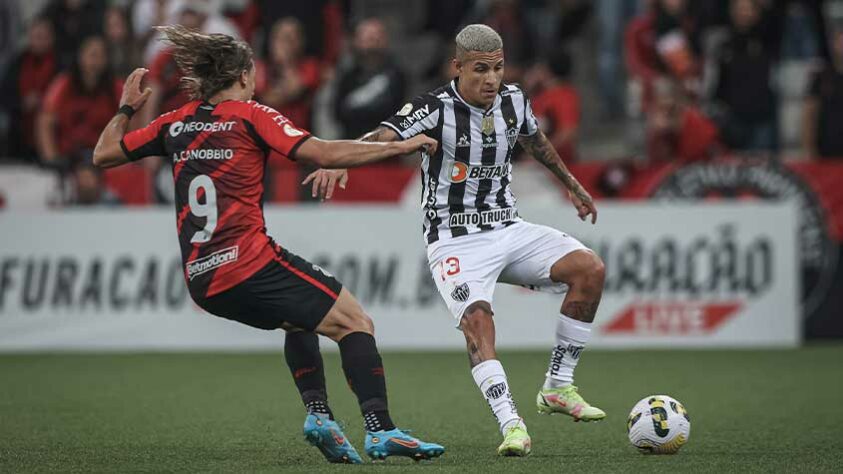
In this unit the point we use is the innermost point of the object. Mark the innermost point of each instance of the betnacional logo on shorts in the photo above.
(493, 216)
(217, 259)
(177, 128)
(460, 172)
(461, 293)
(292, 131)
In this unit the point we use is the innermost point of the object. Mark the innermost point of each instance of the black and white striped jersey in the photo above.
(466, 184)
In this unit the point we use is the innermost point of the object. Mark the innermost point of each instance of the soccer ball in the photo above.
(658, 424)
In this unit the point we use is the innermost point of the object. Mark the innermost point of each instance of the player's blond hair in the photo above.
(209, 63)
(478, 37)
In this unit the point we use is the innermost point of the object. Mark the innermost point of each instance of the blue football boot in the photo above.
(382, 444)
(327, 436)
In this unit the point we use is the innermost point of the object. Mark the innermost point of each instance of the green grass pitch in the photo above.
(751, 411)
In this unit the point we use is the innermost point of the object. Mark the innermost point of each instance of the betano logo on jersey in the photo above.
(217, 259)
(177, 128)
(460, 172)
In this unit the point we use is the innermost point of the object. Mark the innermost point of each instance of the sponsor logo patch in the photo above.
(179, 127)
(408, 107)
(494, 216)
(419, 114)
(291, 131)
(460, 172)
(461, 293)
(217, 259)
(463, 142)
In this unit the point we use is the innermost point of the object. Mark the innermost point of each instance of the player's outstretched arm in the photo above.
(542, 150)
(108, 152)
(325, 181)
(351, 153)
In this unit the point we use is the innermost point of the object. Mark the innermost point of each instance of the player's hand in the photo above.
(132, 95)
(583, 203)
(419, 143)
(325, 181)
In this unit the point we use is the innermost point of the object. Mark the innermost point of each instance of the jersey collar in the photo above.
(457, 95)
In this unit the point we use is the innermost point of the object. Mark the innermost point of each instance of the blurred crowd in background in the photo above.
(624, 80)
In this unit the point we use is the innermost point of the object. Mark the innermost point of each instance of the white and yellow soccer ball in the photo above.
(658, 424)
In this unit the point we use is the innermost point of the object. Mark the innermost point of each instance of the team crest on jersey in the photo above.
(461, 293)
(511, 136)
(487, 124)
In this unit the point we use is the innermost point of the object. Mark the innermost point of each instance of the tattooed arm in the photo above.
(541, 149)
(325, 181)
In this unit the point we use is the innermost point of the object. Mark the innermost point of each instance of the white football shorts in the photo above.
(467, 268)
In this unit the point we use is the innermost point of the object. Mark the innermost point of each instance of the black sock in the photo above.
(364, 370)
(301, 349)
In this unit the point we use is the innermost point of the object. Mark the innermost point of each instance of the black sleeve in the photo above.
(415, 117)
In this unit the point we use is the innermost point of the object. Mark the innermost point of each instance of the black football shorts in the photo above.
(287, 290)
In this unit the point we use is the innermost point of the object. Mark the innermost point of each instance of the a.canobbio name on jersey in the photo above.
(204, 154)
(215, 260)
(494, 216)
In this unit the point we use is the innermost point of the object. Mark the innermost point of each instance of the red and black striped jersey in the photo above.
(218, 153)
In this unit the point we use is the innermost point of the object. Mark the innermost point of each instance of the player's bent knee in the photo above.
(361, 322)
(477, 317)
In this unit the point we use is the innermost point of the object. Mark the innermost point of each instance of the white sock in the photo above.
(571, 337)
(491, 380)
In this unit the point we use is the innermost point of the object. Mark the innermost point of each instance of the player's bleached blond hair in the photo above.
(477, 37)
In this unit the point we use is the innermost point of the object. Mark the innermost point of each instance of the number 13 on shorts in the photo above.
(450, 267)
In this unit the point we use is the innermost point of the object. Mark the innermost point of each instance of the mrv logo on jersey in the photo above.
(215, 260)
(461, 171)
(494, 216)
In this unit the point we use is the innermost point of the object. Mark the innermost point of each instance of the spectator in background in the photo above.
(291, 78)
(612, 16)
(25, 84)
(744, 94)
(164, 75)
(370, 85)
(676, 39)
(822, 127)
(74, 20)
(321, 23)
(123, 53)
(78, 105)
(507, 18)
(147, 14)
(676, 129)
(207, 15)
(556, 103)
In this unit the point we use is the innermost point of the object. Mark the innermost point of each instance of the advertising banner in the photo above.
(678, 275)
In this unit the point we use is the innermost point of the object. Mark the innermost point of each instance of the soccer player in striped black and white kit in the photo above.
(475, 236)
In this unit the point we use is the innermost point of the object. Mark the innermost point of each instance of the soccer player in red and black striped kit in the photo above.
(218, 144)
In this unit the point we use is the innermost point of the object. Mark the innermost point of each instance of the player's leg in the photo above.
(549, 260)
(478, 327)
(301, 351)
(465, 271)
(353, 330)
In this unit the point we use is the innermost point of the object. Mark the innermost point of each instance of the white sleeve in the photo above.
(530, 125)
